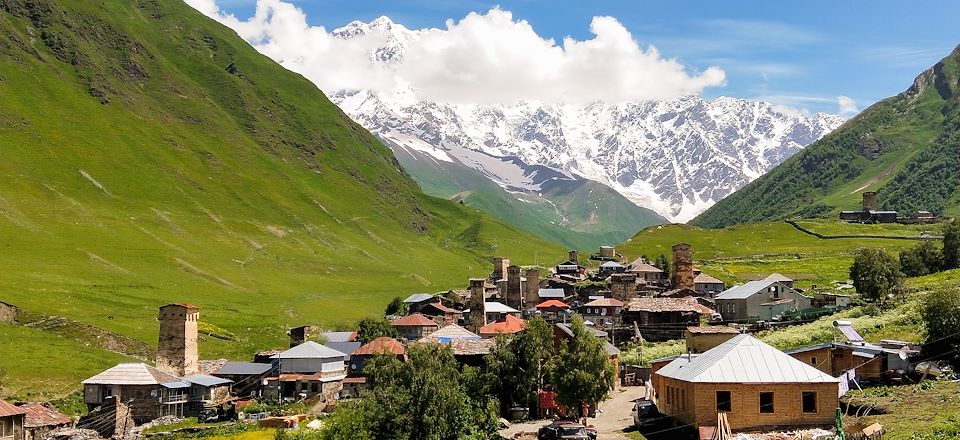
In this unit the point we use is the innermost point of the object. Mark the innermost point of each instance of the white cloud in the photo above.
(848, 107)
(483, 58)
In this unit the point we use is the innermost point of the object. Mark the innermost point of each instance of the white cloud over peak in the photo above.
(848, 107)
(484, 58)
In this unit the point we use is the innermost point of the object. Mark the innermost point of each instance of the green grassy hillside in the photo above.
(741, 253)
(580, 214)
(907, 148)
(149, 155)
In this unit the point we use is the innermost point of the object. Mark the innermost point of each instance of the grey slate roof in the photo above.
(243, 369)
(611, 264)
(418, 297)
(611, 349)
(569, 331)
(311, 350)
(344, 347)
(205, 380)
(745, 290)
(743, 359)
(338, 336)
(498, 307)
(550, 293)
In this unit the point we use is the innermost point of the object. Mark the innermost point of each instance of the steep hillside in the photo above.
(576, 212)
(149, 155)
(907, 148)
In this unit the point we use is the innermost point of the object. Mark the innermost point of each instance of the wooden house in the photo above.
(441, 313)
(553, 310)
(754, 384)
(647, 272)
(11, 421)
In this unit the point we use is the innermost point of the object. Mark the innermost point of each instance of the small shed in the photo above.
(11, 421)
(40, 419)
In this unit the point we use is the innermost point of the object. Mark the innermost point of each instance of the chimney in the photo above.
(177, 346)
(532, 287)
(682, 266)
(869, 201)
(514, 295)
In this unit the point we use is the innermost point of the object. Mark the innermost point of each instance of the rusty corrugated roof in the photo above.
(38, 415)
(414, 320)
(8, 409)
(383, 344)
(508, 325)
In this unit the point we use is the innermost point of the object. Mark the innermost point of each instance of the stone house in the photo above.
(507, 325)
(702, 338)
(356, 380)
(11, 421)
(756, 385)
(441, 313)
(307, 370)
(708, 286)
(647, 272)
(661, 318)
(147, 391)
(759, 300)
(247, 377)
(40, 419)
(494, 311)
(553, 310)
(205, 391)
(602, 311)
(415, 326)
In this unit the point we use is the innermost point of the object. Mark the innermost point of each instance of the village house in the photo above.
(664, 318)
(570, 270)
(647, 272)
(415, 326)
(450, 332)
(40, 420)
(356, 380)
(553, 310)
(205, 391)
(507, 325)
(611, 267)
(857, 359)
(708, 286)
(11, 421)
(702, 338)
(247, 377)
(550, 293)
(307, 370)
(602, 311)
(781, 278)
(148, 392)
(441, 313)
(759, 300)
(494, 311)
(754, 384)
(418, 301)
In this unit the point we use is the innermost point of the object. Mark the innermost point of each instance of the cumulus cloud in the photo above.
(483, 58)
(848, 107)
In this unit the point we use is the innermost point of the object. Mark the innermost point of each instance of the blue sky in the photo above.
(802, 54)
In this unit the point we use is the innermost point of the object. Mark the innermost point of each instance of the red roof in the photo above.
(508, 325)
(444, 308)
(384, 344)
(39, 415)
(553, 303)
(8, 409)
(415, 320)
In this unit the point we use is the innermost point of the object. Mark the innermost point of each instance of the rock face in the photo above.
(675, 157)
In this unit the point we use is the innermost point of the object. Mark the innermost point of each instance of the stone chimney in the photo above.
(477, 317)
(532, 288)
(682, 266)
(514, 294)
(299, 335)
(869, 201)
(177, 347)
(623, 286)
(500, 265)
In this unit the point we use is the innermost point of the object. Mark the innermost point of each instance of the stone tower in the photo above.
(574, 256)
(177, 347)
(500, 265)
(477, 317)
(869, 201)
(682, 266)
(514, 295)
(623, 286)
(532, 288)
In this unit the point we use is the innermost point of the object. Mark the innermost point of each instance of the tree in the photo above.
(875, 274)
(941, 321)
(396, 307)
(372, 328)
(951, 245)
(921, 260)
(517, 366)
(663, 264)
(423, 398)
(581, 373)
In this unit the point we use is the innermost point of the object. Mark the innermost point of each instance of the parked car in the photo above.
(564, 430)
(644, 412)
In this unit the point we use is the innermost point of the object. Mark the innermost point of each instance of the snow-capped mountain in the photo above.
(676, 157)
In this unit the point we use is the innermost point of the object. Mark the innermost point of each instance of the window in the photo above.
(813, 361)
(766, 402)
(683, 400)
(723, 401)
(809, 399)
(6, 427)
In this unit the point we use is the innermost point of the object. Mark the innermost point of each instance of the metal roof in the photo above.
(339, 336)
(311, 350)
(569, 331)
(497, 307)
(453, 331)
(743, 359)
(243, 369)
(611, 349)
(205, 380)
(745, 290)
(9, 409)
(131, 374)
(550, 293)
(38, 415)
(344, 347)
(508, 324)
(414, 320)
(383, 344)
(175, 385)
(611, 264)
(418, 297)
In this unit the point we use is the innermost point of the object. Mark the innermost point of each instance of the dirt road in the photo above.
(616, 413)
